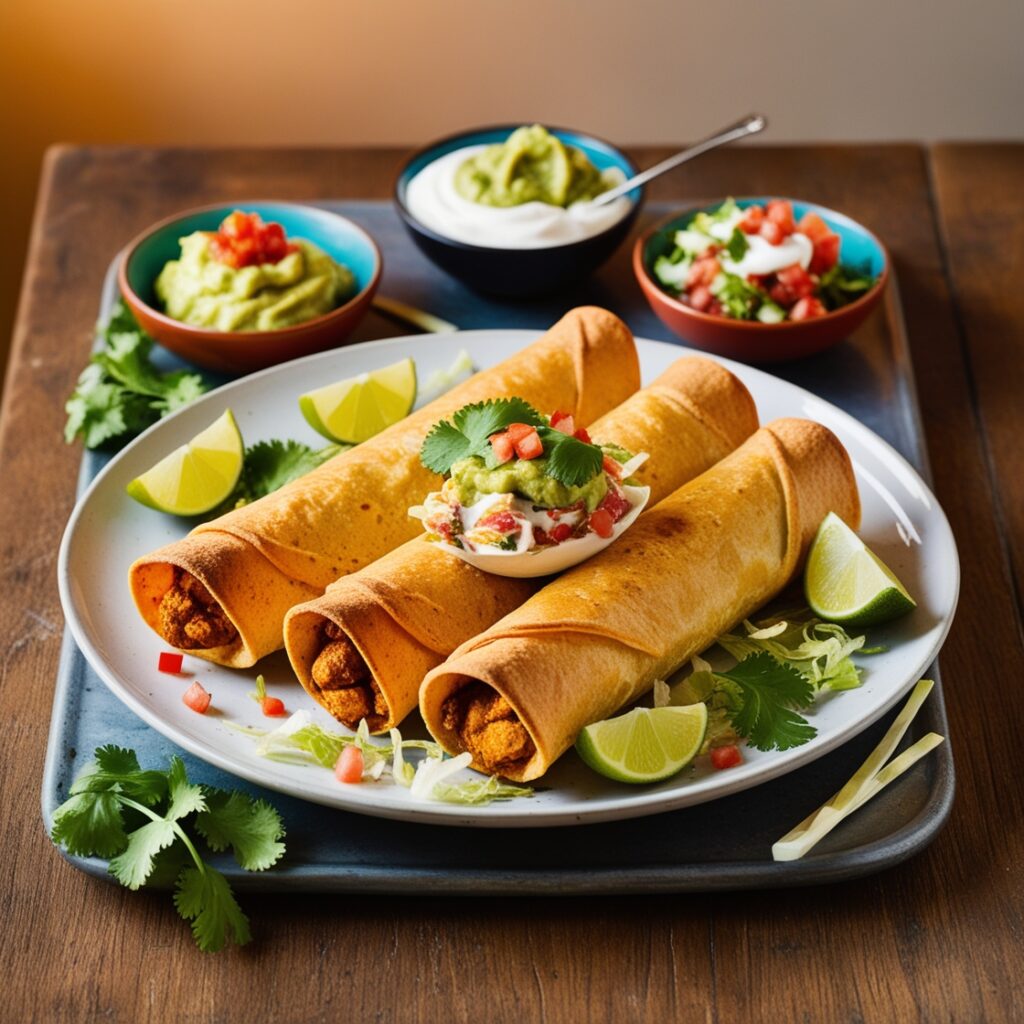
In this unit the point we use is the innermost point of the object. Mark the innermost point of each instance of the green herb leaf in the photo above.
(252, 828)
(841, 285)
(185, 797)
(90, 824)
(737, 245)
(469, 429)
(117, 769)
(133, 866)
(204, 897)
(269, 465)
(569, 460)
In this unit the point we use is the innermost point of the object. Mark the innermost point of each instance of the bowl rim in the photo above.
(210, 333)
(469, 247)
(649, 285)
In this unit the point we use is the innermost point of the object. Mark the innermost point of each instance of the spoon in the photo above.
(750, 125)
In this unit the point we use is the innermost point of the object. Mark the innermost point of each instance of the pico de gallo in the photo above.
(759, 263)
(530, 483)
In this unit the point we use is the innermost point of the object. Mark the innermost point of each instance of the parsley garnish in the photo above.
(567, 459)
(737, 245)
(120, 393)
(137, 820)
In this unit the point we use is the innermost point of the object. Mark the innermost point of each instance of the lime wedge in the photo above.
(645, 744)
(196, 477)
(357, 408)
(846, 582)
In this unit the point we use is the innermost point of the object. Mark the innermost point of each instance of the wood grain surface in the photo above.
(935, 939)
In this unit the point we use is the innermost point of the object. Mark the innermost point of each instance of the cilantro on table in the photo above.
(121, 393)
(567, 459)
(146, 823)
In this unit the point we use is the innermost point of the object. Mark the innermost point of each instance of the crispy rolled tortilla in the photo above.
(596, 638)
(223, 591)
(363, 648)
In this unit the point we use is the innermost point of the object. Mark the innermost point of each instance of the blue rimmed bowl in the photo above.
(243, 351)
(517, 272)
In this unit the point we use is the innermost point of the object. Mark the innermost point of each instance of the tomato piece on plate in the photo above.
(197, 698)
(771, 232)
(726, 757)
(813, 226)
(502, 446)
(581, 435)
(529, 446)
(601, 522)
(170, 663)
(564, 422)
(349, 766)
(826, 253)
(273, 707)
(700, 298)
(752, 219)
(807, 308)
(780, 211)
(797, 281)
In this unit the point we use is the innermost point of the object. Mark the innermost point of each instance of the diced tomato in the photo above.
(530, 446)
(780, 211)
(703, 271)
(273, 707)
(601, 522)
(715, 309)
(771, 232)
(563, 421)
(752, 219)
(503, 522)
(798, 282)
(349, 766)
(807, 308)
(562, 532)
(517, 431)
(726, 757)
(611, 467)
(781, 295)
(243, 240)
(197, 698)
(581, 435)
(170, 663)
(503, 447)
(700, 298)
(826, 253)
(813, 226)
(615, 504)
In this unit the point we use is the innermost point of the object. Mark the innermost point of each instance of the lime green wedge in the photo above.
(846, 582)
(356, 409)
(196, 477)
(645, 744)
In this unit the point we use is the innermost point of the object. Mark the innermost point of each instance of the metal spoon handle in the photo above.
(750, 125)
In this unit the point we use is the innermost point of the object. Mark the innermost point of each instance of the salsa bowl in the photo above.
(244, 351)
(750, 340)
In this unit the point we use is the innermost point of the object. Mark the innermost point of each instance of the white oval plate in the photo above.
(108, 530)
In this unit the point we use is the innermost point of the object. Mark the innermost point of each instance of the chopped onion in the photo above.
(632, 465)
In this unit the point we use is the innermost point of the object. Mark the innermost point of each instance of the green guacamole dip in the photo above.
(471, 480)
(200, 290)
(531, 165)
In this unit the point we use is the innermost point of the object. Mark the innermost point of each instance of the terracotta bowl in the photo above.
(242, 351)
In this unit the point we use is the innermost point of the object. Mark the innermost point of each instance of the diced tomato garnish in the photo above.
(581, 435)
(243, 240)
(700, 298)
(503, 447)
(564, 422)
(826, 253)
(813, 226)
(807, 308)
(197, 698)
(530, 446)
(349, 766)
(517, 431)
(771, 232)
(703, 271)
(780, 211)
(601, 522)
(781, 295)
(715, 309)
(503, 522)
(752, 219)
(615, 504)
(798, 282)
(170, 663)
(273, 707)
(562, 532)
(611, 467)
(726, 757)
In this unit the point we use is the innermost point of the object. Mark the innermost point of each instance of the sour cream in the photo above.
(762, 257)
(432, 199)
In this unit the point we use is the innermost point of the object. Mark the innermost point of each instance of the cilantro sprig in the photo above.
(567, 459)
(145, 822)
(121, 393)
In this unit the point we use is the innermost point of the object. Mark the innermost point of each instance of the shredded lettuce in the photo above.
(479, 791)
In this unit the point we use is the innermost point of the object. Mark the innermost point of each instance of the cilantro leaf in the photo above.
(767, 691)
(469, 429)
(116, 769)
(185, 797)
(737, 245)
(251, 827)
(90, 824)
(204, 897)
(841, 285)
(270, 465)
(135, 863)
(570, 460)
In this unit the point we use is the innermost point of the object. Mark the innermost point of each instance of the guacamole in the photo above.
(471, 480)
(531, 165)
(200, 290)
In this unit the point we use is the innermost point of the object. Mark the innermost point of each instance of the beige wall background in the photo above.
(338, 72)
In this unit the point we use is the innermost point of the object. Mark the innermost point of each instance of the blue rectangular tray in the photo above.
(725, 844)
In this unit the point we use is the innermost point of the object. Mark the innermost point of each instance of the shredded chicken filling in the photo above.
(488, 728)
(347, 690)
(190, 618)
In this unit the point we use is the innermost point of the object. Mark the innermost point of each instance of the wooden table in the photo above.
(938, 938)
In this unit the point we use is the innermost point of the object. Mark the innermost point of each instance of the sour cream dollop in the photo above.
(432, 199)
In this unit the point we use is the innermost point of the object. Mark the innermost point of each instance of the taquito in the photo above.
(363, 648)
(222, 592)
(596, 638)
